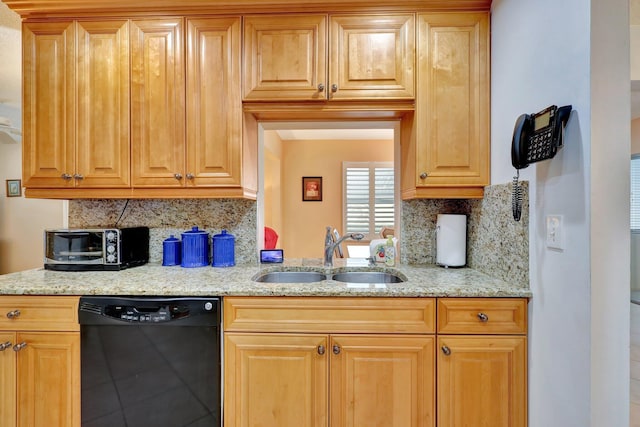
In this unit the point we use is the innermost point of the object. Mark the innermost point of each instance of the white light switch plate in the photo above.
(555, 232)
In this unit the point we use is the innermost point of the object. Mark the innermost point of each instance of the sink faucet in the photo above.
(330, 245)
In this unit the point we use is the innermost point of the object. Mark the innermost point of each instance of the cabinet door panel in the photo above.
(482, 381)
(285, 57)
(48, 380)
(382, 381)
(266, 373)
(157, 103)
(103, 104)
(372, 57)
(214, 107)
(8, 380)
(48, 51)
(453, 107)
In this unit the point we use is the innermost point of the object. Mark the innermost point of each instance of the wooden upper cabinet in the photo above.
(157, 103)
(76, 96)
(48, 147)
(285, 57)
(372, 57)
(450, 153)
(364, 57)
(186, 106)
(214, 104)
(102, 81)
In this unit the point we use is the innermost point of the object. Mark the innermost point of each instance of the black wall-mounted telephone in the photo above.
(536, 137)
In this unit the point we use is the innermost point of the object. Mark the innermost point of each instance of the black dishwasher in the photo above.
(150, 361)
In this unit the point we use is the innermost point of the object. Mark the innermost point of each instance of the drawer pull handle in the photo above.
(66, 176)
(190, 176)
(334, 87)
(424, 175)
(5, 345)
(483, 317)
(336, 349)
(321, 87)
(446, 350)
(320, 350)
(20, 346)
(177, 176)
(13, 314)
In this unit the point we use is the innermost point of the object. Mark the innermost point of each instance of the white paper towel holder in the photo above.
(451, 240)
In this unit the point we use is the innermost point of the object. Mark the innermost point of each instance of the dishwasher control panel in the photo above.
(149, 310)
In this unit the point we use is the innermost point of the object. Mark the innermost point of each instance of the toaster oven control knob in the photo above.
(111, 249)
(111, 258)
(111, 236)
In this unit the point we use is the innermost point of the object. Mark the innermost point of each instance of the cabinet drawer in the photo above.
(330, 315)
(482, 316)
(39, 313)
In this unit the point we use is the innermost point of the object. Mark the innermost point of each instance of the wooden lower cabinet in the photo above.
(352, 362)
(39, 368)
(382, 380)
(482, 381)
(275, 380)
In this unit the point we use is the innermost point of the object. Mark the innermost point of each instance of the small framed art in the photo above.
(311, 188)
(14, 188)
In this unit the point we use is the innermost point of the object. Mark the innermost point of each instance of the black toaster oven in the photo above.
(96, 248)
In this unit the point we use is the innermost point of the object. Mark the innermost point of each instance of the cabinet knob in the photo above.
(446, 350)
(77, 176)
(66, 176)
(321, 87)
(190, 176)
(20, 346)
(177, 176)
(13, 314)
(334, 87)
(423, 175)
(321, 350)
(483, 317)
(5, 345)
(336, 349)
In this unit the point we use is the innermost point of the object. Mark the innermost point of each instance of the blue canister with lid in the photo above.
(195, 248)
(171, 251)
(223, 250)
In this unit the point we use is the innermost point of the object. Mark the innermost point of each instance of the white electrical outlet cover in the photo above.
(554, 232)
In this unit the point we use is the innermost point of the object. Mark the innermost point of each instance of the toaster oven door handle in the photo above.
(77, 253)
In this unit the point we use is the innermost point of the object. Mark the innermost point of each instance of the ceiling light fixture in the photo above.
(7, 128)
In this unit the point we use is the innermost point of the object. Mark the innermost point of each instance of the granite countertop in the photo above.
(154, 279)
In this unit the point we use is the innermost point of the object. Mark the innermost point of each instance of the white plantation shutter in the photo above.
(368, 197)
(635, 192)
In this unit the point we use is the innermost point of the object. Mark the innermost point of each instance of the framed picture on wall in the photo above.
(311, 188)
(14, 188)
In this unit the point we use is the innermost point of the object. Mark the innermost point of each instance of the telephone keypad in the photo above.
(540, 146)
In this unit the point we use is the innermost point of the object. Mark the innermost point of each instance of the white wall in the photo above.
(22, 220)
(579, 330)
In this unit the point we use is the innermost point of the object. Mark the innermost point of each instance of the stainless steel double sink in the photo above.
(316, 276)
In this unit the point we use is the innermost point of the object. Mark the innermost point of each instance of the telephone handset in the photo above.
(536, 137)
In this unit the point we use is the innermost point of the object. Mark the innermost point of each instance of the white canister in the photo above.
(451, 240)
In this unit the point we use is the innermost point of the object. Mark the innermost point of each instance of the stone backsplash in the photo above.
(172, 217)
(496, 244)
